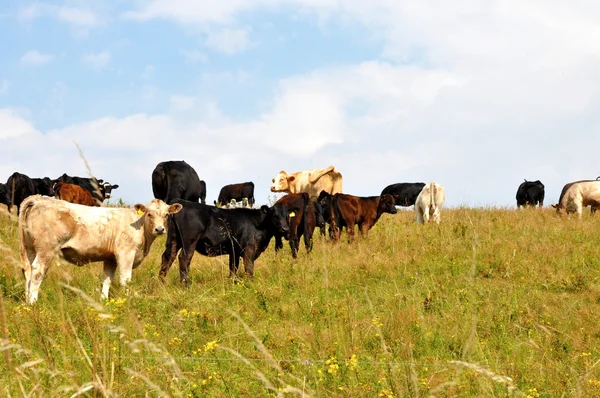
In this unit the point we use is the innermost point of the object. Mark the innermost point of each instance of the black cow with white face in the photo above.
(530, 193)
(99, 188)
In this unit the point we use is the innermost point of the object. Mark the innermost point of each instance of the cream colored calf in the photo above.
(429, 203)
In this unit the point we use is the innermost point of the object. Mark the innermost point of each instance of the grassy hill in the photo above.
(492, 302)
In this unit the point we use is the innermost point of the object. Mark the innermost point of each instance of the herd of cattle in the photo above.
(74, 226)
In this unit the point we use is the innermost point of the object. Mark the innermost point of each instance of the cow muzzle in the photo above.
(159, 230)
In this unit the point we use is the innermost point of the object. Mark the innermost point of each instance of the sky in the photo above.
(476, 96)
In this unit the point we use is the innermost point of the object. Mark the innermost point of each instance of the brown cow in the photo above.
(310, 181)
(348, 210)
(303, 220)
(74, 194)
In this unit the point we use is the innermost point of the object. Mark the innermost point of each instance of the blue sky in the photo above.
(474, 96)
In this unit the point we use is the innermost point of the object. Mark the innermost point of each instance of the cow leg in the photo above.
(168, 257)
(278, 243)
(426, 214)
(308, 241)
(234, 263)
(36, 272)
(125, 264)
(436, 215)
(185, 258)
(109, 274)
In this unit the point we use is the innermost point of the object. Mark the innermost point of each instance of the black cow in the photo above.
(19, 186)
(530, 193)
(324, 201)
(4, 195)
(99, 189)
(404, 193)
(176, 179)
(238, 192)
(212, 231)
(43, 186)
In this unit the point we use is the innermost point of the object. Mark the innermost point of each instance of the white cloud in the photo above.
(35, 58)
(182, 102)
(97, 60)
(13, 125)
(229, 41)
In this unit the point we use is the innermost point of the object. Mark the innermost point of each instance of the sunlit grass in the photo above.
(492, 302)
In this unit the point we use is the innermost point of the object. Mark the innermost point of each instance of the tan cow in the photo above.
(82, 234)
(310, 181)
(429, 203)
(577, 195)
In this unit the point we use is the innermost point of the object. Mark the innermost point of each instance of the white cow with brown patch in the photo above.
(78, 234)
(310, 181)
(577, 195)
(429, 203)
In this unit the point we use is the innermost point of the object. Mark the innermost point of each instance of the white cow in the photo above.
(311, 181)
(577, 195)
(429, 203)
(82, 234)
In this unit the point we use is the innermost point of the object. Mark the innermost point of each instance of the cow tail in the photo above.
(313, 178)
(433, 194)
(24, 239)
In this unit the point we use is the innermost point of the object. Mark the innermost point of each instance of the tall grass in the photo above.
(493, 302)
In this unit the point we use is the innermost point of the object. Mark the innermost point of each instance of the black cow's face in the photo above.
(388, 204)
(106, 189)
(319, 214)
(280, 217)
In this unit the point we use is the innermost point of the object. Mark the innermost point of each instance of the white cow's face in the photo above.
(281, 182)
(155, 215)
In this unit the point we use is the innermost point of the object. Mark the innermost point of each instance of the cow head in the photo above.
(106, 188)
(560, 209)
(281, 182)
(387, 204)
(279, 217)
(155, 215)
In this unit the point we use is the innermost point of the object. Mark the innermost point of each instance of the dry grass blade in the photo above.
(507, 381)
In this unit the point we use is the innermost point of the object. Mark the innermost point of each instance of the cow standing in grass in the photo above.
(429, 203)
(349, 210)
(309, 181)
(577, 195)
(530, 193)
(120, 237)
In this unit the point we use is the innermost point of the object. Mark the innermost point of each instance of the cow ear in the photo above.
(140, 208)
(175, 208)
(291, 178)
(115, 186)
(265, 208)
(100, 181)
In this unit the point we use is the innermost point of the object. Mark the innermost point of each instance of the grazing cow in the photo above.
(74, 194)
(212, 231)
(99, 189)
(349, 210)
(304, 218)
(310, 181)
(530, 193)
(120, 237)
(429, 203)
(577, 195)
(176, 179)
(4, 199)
(404, 193)
(238, 192)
